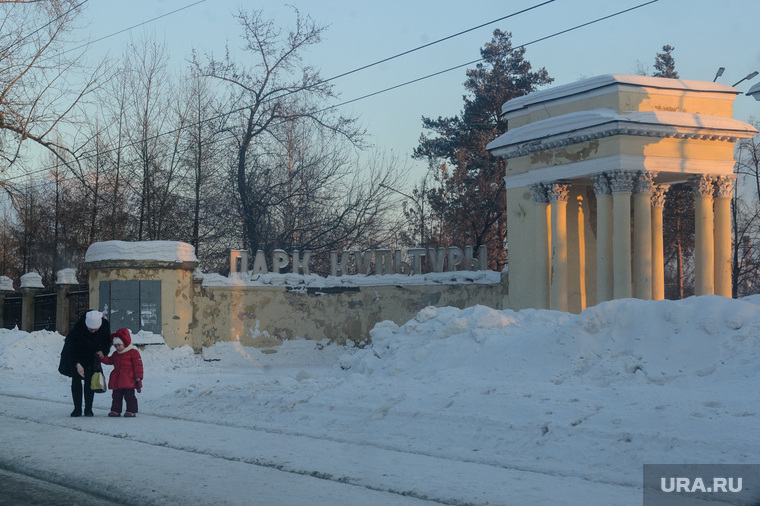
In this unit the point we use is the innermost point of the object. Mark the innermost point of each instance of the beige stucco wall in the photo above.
(199, 315)
(630, 145)
(263, 316)
(624, 99)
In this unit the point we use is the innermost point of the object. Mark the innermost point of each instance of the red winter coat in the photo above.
(127, 365)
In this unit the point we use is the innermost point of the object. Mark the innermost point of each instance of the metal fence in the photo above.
(12, 312)
(44, 311)
(79, 303)
(45, 306)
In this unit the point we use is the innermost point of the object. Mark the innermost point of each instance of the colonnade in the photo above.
(629, 246)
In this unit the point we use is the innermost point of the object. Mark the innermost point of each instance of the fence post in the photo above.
(65, 278)
(31, 283)
(6, 287)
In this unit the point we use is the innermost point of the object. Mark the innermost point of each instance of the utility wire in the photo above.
(219, 116)
(46, 25)
(481, 59)
(133, 26)
(434, 42)
(385, 90)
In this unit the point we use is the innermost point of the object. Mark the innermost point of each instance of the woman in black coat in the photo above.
(92, 333)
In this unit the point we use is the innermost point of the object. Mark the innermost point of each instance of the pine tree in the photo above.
(664, 64)
(469, 200)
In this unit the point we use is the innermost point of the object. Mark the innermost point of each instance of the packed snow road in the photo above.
(165, 460)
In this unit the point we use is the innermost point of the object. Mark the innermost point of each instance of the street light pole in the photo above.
(748, 76)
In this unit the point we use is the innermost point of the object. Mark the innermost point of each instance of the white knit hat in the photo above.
(93, 319)
(116, 341)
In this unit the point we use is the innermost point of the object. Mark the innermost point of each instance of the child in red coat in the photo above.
(127, 373)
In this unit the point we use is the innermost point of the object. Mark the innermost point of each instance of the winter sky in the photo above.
(706, 35)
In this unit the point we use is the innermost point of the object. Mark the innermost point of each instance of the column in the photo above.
(31, 283)
(604, 272)
(724, 190)
(704, 258)
(621, 184)
(541, 247)
(642, 234)
(558, 195)
(65, 279)
(658, 260)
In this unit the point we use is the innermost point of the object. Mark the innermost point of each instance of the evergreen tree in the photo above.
(469, 200)
(664, 64)
(678, 230)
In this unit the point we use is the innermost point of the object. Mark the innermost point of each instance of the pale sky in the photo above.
(706, 34)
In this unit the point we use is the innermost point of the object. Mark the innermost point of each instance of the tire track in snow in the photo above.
(307, 455)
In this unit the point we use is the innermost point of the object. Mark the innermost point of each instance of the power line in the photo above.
(434, 42)
(132, 27)
(555, 34)
(385, 90)
(46, 25)
(218, 116)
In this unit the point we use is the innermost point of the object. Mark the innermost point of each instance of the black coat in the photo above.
(81, 345)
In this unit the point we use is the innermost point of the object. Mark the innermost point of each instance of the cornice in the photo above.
(529, 147)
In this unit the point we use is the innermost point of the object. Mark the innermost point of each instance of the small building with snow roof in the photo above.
(144, 285)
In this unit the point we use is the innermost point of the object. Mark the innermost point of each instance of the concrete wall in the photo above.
(263, 316)
(199, 310)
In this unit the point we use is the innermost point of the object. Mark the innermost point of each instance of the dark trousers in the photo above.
(76, 390)
(124, 394)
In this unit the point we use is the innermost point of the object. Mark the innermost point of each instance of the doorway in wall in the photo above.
(135, 305)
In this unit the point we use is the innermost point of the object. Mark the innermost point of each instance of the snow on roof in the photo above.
(31, 280)
(67, 277)
(596, 82)
(590, 121)
(6, 284)
(164, 251)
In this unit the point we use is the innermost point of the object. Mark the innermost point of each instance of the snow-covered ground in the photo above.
(473, 406)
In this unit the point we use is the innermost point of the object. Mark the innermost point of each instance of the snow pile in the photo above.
(591, 396)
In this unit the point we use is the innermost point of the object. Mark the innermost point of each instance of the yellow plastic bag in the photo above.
(98, 383)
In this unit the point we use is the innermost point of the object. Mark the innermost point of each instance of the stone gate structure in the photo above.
(588, 169)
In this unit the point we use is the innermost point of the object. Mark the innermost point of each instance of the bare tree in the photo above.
(746, 216)
(41, 86)
(278, 88)
(203, 155)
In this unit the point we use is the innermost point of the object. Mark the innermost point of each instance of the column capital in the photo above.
(559, 191)
(724, 187)
(658, 195)
(601, 184)
(702, 185)
(540, 193)
(643, 181)
(621, 181)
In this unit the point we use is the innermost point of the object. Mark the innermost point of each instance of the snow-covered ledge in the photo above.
(164, 254)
